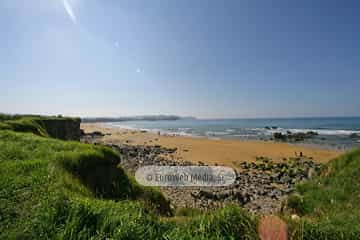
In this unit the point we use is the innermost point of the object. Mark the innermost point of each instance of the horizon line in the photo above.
(186, 116)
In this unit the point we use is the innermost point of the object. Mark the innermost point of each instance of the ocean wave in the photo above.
(120, 126)
(266, 132)
(240, 132)
(326, 131)
(181, 133)
(245, 135)
(304, 130)
(185, 129)
(216, 133)
(231, 130)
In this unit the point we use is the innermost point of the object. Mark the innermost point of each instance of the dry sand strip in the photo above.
(210, 151)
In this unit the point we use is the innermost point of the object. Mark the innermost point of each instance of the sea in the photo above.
(333, 132)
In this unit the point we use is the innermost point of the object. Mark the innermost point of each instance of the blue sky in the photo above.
(210, 59)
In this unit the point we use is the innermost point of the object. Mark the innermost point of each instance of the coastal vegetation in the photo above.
(64, 128)
(329, 204)
(56, 189)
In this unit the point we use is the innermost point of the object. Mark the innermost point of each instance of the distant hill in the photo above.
(134, 118)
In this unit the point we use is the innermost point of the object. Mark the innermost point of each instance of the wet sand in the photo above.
(211, 151)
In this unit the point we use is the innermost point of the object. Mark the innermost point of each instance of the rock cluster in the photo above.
(260, 186)
(354, 135)
(92, 137)
(269, 128)
(135, 156)
(294, 137)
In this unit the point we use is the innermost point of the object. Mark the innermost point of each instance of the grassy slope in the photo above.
(330, 203)
(35, 168)
(24, 124)
(67, 190)
(29, 123)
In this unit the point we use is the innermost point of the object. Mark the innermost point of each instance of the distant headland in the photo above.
(135, 118)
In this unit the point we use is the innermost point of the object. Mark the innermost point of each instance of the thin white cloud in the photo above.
(138, 70)
(69, 10)
(116, 44)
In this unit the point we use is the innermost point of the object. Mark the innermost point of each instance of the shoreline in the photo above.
(264, 179)
(211, 151)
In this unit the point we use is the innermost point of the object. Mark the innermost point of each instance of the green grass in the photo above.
(23, 125)
(187, 212)
(329, 204)
(32, 167)
(230, 222)
(53, 189)
(4, 117)
(39, 125)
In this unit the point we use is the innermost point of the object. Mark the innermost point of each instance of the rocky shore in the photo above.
(294, 137)
(261, 186)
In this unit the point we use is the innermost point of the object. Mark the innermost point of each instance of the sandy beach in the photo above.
(211, 151)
